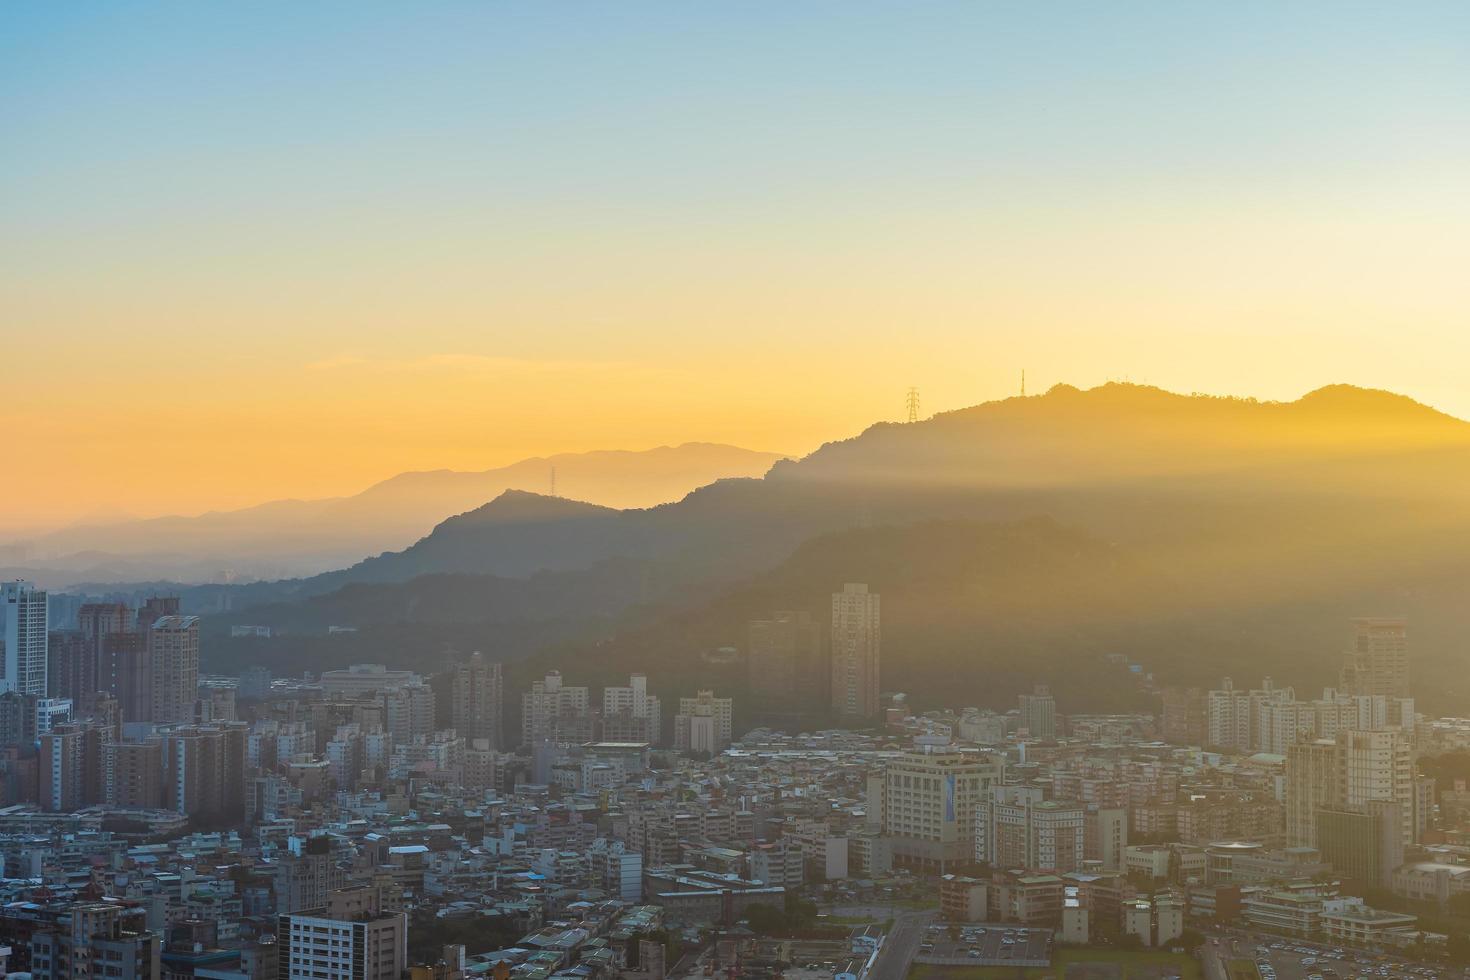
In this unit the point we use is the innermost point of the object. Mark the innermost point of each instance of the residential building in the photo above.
(856, 643)
(788, 665)
(1038, 714)
(1379, 660)
(477, 694)
(173, 654)
(631, 714)
(23, 635)
(704, 723)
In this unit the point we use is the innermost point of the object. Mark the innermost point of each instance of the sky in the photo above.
(253, 251)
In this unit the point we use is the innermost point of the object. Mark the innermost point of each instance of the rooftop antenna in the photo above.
(913, 404)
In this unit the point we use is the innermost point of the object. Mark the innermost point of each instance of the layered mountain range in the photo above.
(1016, 540)
(294, 537)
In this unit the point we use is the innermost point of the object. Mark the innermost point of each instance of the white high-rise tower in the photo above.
(23, 613)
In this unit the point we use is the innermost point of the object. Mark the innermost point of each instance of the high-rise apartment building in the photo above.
(789, 672)
(1016, 828)
(155, 608)
(927, 800)
(1378, 765)
(23, 634)
(204, 768)
(552, 711)
(1185, 716)
(1348, 773)
(704, 723)
(1233, 715)
(477, 692)
(631, 714)
(173, 654)
(137, 775)
(125, 673)
(71, 665)
(1311, 785)
(855, 652)
(408, 711)
(1038, 714)
(1379, 660)
(97, 621)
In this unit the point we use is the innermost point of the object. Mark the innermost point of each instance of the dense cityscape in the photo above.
(371, 822)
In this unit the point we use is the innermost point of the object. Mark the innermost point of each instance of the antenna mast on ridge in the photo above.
(553, 481)
(1023, 382)
(913, 404)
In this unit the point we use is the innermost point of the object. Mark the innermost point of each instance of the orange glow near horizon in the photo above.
(240, 260)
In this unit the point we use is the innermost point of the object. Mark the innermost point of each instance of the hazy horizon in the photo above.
(237, 269)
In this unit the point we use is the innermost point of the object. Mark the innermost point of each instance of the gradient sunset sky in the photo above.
(259, 250)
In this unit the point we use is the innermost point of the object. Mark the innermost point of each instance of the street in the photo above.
(902, 942)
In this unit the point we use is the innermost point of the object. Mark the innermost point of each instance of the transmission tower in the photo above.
(913, 404)
(553, 481)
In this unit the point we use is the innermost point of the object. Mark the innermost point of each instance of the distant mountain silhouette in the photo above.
(293, 537)
(1257, 517)
(1121, 461)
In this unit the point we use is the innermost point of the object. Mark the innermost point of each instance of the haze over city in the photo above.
(734, 491)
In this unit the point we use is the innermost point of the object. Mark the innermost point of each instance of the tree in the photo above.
(766, 920)
(1457, 948)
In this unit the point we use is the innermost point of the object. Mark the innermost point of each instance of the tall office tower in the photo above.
(1379, 660)
(928, 798)
(478, 692)
(125, 673)
(553, 712)
(704, 723)
(789, 672)
(71, 665)
(23, 626)
(1016, 828)
(204, 768)
(631, 714)
(97, 621)
(855, 652)
(173, 654)
(408, 711)
(1311, 784)
(155, 609)
(137, 775)
(368, 946)
(1039, 713)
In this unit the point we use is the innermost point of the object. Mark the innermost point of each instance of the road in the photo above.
(1214, 960)
(901, 945)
